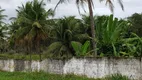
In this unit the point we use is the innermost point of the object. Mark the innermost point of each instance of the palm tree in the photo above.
(66, 30)
(3, 28)
(33, 25)
(90, 7)
(2, 17)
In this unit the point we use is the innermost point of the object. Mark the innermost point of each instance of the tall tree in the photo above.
(136, 23)
(90, 7)
(2, 17)
(33, 25)
(3, 28)
(64, 31)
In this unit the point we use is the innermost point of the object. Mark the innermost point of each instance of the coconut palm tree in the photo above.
(2, 36)
(66, 30)
(33, 25)
(2, 17)
(90, 7)
(3, 29)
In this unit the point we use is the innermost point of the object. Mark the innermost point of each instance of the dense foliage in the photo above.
(34, 30)
(3, 28)
(136, 21)
(32, 26)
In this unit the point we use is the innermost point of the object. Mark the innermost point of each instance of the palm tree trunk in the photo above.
(92, 26)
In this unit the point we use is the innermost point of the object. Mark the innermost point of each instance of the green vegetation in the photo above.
(46, 76)
(21, 56)
(3, 28)
(109, 33)
(81, 49)
(63, 32)
(136, 23)
(34, 34)
(34, 30)
(92, 23)
(117, 77)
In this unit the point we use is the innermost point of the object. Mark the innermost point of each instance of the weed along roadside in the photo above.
(90, 67)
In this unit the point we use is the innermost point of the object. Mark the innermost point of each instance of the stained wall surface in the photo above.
(90, 67)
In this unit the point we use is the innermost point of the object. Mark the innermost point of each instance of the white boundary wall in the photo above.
(90, 67)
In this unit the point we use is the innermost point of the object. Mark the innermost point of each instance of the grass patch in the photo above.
(46, 76)
(21, 56)
(38, 76)
(116, 77)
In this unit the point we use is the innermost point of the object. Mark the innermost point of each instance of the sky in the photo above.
(70, 9)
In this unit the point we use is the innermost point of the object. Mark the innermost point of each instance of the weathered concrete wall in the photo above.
(91, 67)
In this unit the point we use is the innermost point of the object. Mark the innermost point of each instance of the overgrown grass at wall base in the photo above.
(46, 76)
(21, 56)
(116, 77)
(38, 76)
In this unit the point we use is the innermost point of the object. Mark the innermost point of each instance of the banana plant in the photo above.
(109, 32)
(133, 46)
(81, 49)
